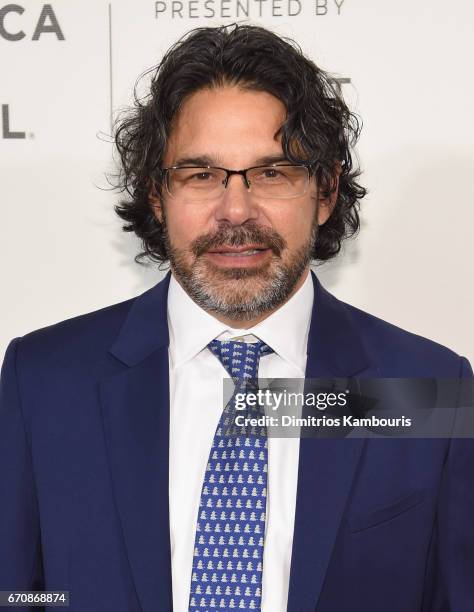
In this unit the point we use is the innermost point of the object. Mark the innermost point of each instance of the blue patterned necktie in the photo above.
(230, 530)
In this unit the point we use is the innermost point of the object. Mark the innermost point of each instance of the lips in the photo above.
(249, 249)
(245, 256)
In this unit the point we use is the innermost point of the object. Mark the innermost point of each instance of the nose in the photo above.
(236, 204)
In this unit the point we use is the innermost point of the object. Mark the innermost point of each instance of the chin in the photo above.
(237, 282)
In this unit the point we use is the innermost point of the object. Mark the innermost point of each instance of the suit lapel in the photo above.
(326, 466)
(135, 409)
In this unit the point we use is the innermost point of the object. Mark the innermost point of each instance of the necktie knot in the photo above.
(239, 358)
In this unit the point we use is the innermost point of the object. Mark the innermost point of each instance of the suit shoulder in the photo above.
(397, 349)
(83, 336)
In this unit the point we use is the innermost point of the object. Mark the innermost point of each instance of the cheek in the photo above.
(293, 221)
(186, 222)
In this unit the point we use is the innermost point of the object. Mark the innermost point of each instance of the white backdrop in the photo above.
(68, 65)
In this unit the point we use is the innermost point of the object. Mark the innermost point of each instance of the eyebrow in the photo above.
(202, 160)
(271, 159)
(205, 160)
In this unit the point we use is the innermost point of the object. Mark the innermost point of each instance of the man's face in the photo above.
(234, 128)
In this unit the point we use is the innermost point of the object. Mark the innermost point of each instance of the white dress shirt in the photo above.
(196, 402)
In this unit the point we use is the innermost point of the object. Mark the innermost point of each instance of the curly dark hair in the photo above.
(319, 127)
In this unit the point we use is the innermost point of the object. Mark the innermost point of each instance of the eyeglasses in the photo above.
(275, 181)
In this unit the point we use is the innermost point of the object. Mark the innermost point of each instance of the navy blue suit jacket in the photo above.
(381, 524)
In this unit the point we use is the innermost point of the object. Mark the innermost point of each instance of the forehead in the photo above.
(229, 124)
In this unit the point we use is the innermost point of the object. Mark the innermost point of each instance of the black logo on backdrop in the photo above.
(10, 23)
(7, 131)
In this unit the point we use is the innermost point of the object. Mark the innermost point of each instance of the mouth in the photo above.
(249, 249)
(249, 254)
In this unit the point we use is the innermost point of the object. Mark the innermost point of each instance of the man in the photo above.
(117, 482)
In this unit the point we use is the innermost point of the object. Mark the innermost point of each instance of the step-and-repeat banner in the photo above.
(69, 66)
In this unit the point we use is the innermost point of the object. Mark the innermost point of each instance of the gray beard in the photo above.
(210, 287)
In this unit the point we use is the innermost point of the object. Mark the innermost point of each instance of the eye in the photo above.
(271, 173)
(201, 176)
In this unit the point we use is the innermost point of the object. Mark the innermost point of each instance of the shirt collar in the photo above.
(285, 330)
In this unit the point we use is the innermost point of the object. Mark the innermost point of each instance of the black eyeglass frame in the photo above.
(310, 167)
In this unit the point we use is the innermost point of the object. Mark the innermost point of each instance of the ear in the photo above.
(155, 201)
(326, 204)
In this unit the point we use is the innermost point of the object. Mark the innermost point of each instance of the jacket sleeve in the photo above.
(20, 538)
(452, 547)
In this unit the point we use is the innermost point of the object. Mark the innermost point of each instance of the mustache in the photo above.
(239, 235)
